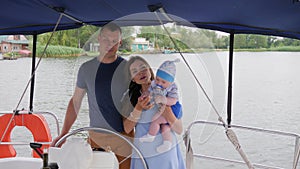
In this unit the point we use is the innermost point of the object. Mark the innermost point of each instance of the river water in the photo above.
(265, 95)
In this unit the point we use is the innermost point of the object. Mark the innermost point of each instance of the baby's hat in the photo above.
(167, 70)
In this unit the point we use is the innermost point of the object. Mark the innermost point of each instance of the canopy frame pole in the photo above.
(230, 73)
(30, 80)
(33, 61)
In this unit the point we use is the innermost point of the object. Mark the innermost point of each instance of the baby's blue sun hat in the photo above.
(167, 70)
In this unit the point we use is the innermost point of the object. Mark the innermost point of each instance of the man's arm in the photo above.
(71, 113)
(73, 109)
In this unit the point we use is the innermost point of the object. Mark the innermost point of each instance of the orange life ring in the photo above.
(35, 123)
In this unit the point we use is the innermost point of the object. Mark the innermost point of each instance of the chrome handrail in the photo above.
(55, 118)
(61, 140)
(289, 134)
(32, 112)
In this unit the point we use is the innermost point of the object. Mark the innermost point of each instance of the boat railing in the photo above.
(190, 153)
(32, 112)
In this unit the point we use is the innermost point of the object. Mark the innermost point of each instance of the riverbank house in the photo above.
(13, 43)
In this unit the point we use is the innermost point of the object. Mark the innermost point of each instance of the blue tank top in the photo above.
(105, 85)
(104, 96)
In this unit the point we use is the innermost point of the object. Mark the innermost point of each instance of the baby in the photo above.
(164, 92)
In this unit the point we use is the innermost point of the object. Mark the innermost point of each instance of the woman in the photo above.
(140, 119)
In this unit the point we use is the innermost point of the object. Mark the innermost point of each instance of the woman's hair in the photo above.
(134, 88)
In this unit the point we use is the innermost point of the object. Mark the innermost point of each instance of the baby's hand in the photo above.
(144, 102)
(145, 94)
(160, 99)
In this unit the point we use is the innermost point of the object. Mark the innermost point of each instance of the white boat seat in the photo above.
(21, 163)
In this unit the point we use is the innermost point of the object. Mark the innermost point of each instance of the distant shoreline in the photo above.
(79, 52)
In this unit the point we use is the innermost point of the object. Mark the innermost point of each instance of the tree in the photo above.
(256, 41)
(240, 41)
(184, 37)
(127, 38)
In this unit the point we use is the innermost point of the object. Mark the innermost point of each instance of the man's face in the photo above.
(109, 42)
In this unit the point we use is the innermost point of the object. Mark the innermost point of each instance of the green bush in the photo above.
(58, 51)
(287, 48)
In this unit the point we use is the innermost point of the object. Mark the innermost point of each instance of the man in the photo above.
(104, 82)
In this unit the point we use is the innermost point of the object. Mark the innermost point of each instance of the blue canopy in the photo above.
(268, 17)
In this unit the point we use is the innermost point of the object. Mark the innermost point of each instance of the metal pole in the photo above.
(32, 71)
(229, 98)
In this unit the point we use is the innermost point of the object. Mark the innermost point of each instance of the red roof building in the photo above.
(13, 43)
